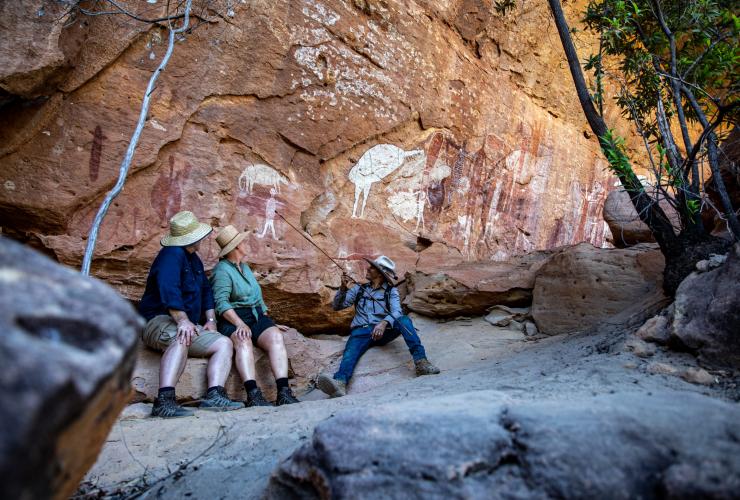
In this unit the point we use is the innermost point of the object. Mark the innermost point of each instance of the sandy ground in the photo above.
(221, 455)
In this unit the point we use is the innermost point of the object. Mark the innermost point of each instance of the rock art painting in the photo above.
(166, 194)
(262, 174)
(482, 199)
(374, 165)
(271, 206)
(95, 153)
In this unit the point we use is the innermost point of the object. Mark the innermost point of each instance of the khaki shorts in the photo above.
(161, 331)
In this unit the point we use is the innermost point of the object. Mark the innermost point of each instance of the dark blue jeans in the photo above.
(360, 340)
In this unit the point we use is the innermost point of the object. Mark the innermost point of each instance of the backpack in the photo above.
(365, 287)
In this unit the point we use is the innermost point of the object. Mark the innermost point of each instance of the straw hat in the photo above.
(185, 230)
(386, 267)
(228, 238)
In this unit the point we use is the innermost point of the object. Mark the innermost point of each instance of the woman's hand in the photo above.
(283, 328)
(210, 325)
(243, 332)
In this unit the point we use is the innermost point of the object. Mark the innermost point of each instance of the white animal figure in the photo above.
(270, 211)
(261, 174)
(375, 164)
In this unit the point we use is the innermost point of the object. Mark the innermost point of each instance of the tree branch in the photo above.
(127, 159)
(650, 212)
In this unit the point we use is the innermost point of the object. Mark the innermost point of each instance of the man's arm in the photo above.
(345, 298)
(396, 311)
(169, 281)
(210, 320)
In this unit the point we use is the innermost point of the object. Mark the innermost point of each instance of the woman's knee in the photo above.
(272, 338)
(242, 345)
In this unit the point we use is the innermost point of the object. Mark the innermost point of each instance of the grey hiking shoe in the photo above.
(424, 367)
(285, 397)
(331, 386)
(165, 406)
(216, 400)
(255, 398)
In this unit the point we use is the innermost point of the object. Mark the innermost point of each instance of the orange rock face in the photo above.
(378, 127)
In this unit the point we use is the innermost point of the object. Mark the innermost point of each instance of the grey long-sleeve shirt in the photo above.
(370, 306)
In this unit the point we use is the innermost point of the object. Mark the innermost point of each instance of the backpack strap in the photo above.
(360, 294)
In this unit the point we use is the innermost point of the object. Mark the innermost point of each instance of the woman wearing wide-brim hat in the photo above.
(242, 315)
(181, 321)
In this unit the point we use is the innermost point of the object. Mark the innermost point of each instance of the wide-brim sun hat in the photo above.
(386, 267)
(185, 229)
(228, 239)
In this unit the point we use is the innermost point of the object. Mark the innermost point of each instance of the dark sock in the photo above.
(214, 388)
(166, 391)
(281, 383)
(250, 385)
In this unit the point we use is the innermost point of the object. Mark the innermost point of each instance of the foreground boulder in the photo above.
(706, 313)
(67, 353)
(582, 286)
(307, 358)
(482, 445)
(472, 288)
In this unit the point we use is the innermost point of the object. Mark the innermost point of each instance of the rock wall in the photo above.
(376, 126)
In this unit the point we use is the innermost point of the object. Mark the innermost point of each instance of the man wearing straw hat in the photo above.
(378, 320)
(176, 300)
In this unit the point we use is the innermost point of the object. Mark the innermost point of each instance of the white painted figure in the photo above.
(270, 211)
(374, 165)
(261, 174)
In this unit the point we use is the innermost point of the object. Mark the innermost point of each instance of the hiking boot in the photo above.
(165, 406)
(217, 400)
(255, 398)
(331, 386)
(285, 397)
(424, 367)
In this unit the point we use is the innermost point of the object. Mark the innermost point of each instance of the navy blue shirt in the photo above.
(177, 281)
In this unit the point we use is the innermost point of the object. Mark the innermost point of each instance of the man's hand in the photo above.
(186, 330)
(379, 330)
(346, 281)
(243, 332)
(210, 325)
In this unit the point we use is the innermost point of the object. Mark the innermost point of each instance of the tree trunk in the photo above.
(681, 252)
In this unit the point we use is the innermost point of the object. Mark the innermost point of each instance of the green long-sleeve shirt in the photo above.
(232, 289)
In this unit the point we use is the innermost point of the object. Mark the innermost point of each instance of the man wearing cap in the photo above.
(242, 315)
(179, 308)
(378, 320)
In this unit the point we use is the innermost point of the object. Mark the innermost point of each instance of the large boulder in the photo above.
(307, 358)
(581, 286)
(480, 445)
(472, 288)
(67, 351)
(706, 313)
(624, 223)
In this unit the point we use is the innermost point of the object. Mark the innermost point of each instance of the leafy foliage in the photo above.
(676, 63)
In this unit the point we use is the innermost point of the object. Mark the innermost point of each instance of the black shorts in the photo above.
(257, 325)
